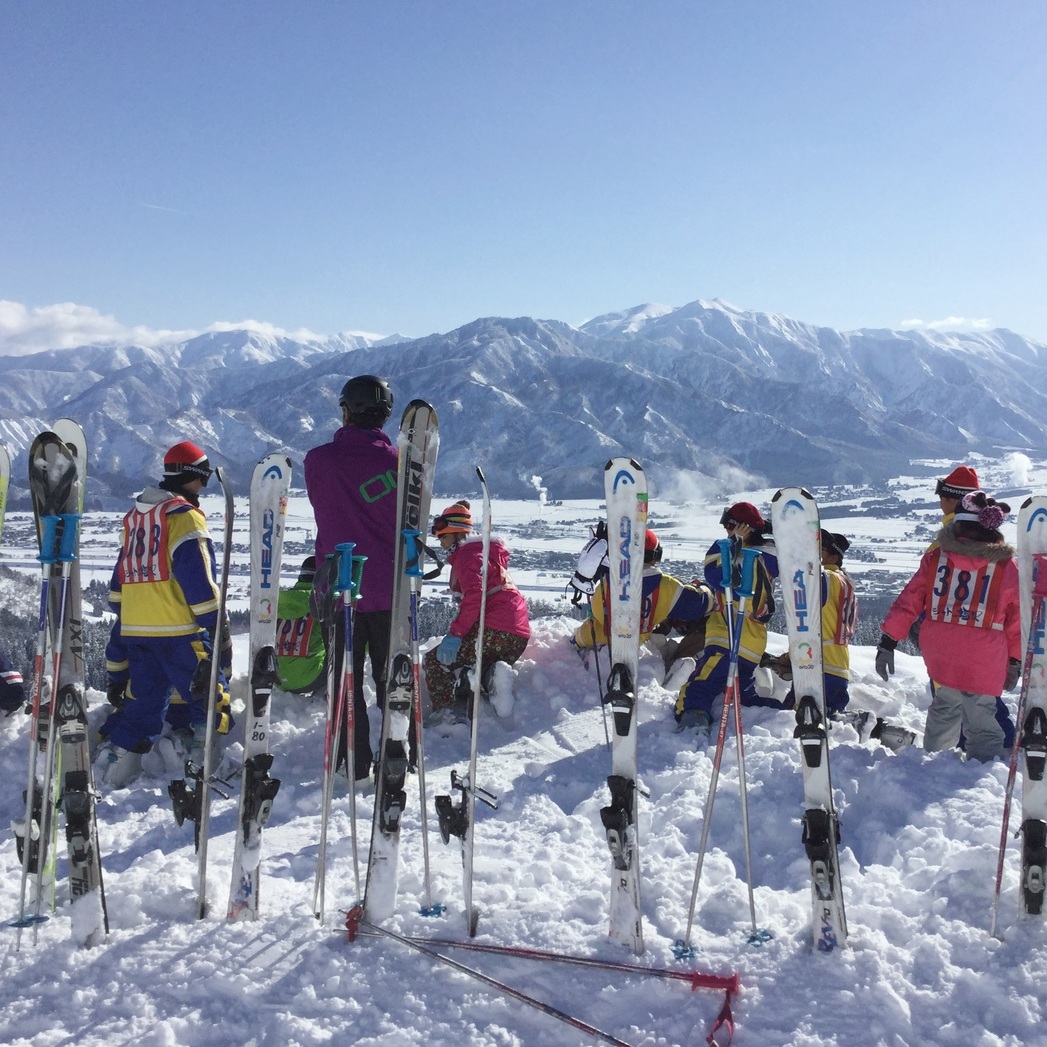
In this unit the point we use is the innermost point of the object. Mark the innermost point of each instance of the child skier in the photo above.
(967, 588)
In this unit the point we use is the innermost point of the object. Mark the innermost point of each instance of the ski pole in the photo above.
(469, 796)
(349, 584)
(730, 984)
(66, 542)
(682, 947)
(341, 707)
(745, 593)
(501, 987)
(47, 557)
(203, 799)
(413, 570)
(1032, 645)
(696, 979)
(332, 728)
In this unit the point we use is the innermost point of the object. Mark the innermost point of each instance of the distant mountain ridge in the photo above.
(702, 390)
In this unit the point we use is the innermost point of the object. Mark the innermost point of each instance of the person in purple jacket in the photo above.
(351, 483)
(507, 628)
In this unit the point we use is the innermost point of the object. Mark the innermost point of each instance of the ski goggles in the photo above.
(946, 490)
(451, 523)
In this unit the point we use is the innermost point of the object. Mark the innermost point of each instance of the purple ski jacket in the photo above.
(351, 483)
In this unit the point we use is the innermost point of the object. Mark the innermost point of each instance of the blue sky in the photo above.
(408, 167)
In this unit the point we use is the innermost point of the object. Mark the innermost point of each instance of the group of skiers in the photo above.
(963, 602)
(961, 606)
(699, 609)
(165, 596)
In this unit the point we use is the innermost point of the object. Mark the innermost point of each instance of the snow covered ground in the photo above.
(920, 838)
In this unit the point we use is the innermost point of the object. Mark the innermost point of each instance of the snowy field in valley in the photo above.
(919, 846)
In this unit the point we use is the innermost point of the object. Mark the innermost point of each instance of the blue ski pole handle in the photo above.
(70, 530)
(344, 582)
(411, 554)
(726, 563)
(48, 539)
(727, 584)
(358, 575)
(748, 585)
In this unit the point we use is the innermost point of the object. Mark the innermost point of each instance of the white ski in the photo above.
(269, 488)
(794, 516)
(76, 784)
(1032, 729)
(625, 490)
(417, 446)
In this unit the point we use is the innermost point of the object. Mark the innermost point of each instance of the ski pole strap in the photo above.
(48, 539)
(344, 581)
(412, 556)
(435, 572)
(725, 1021)
(321, 599)
(70, 532)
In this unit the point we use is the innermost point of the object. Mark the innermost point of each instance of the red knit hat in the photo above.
(187, 461)
(652, 548)
(962, 480)
(744, 513)
(455, 519)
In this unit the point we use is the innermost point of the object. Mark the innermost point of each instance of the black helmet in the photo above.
(368, 399)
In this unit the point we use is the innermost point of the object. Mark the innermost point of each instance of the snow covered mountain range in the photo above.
(704, 390)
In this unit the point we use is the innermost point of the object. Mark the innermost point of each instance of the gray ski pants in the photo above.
(952, 709)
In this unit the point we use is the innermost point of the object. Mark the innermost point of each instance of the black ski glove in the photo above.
(1014, 674)
(116, 693)
(885, 657)
(225, 659)
(11, 703)
(200, 688)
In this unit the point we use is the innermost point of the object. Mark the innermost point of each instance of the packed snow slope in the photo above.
(919, 846)
(920, 837)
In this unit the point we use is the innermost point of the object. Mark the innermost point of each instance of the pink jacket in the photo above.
(506, 607)
(968, 591)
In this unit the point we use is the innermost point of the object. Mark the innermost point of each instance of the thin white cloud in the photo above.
(950, 323)
(66, 325)
(169, 210)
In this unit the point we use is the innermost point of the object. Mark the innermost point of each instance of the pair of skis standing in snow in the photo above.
(417, 448)
(59, 757)
(59, 727)
(796, 528)
(796, 518)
